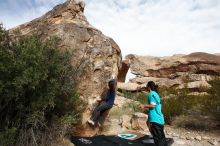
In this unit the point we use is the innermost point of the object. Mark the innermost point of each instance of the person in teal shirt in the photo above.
(155, 115)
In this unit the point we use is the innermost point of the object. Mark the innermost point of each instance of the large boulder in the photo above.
(97, 56)
(196, 85)
(129, 86)
(194, 69)
(164, 67)
(138, 121)
(123, 71)
(160, 81)
(121, 101)
(126, 121)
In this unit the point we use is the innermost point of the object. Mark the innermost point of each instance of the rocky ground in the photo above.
(127, 120)
(193, 138)
(184, 137)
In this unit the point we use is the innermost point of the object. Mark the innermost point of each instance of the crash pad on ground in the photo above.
(102, 140)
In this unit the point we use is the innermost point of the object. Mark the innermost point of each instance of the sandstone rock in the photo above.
(175, 135)
(199, 77)
(183, 137)
(140, 115)
(160, 81)
(174, 71)
(199, 138)
(180, 142)
(126, 121)
(190, 138)
(196, 85)
(123, 71)
(85, 130)
(111, 127)
(129, 86)
(99, 56)
(163, 67)
(138, 121)
(199, 93)
(168, 133)
(213, 142)
(206, 138)
(121, 101)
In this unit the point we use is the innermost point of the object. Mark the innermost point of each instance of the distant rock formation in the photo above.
(123, 71)
(194, 69)
(100, 54)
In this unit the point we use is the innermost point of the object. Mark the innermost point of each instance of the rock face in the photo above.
(138, 121)
(128, 86)
(167, 67)
(123, 71)
(196, 84)
(99, 54)
(194, 69)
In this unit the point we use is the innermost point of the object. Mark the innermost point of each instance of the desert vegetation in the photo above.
(185, 110)
(38, 98)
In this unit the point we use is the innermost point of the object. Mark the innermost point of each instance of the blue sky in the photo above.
(144, 27)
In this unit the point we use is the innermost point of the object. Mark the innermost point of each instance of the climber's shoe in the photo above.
(99, 124)
(91, 122)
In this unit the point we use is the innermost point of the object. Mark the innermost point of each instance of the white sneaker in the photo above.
(91, 122)
(99, 124)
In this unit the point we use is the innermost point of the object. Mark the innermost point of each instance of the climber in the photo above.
(108, 102)
(155, 116)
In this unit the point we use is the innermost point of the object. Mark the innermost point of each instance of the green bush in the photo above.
(38, 100)
(178, 104)
(181, 103)
(137, 96)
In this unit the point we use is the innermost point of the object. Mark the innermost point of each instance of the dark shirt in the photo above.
(110, 97)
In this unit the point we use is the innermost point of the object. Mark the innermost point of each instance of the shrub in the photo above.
(137, 96)
(38, 100)
(185, 105)
(186, 110)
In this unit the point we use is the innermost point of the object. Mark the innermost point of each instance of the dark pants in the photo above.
(99, 110)
(157, 131)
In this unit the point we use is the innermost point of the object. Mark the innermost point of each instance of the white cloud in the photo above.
(158, 27)
(144, 27)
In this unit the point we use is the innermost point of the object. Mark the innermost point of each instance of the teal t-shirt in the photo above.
(155, 114)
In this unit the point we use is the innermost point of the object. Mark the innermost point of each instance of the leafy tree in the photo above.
(38, 100)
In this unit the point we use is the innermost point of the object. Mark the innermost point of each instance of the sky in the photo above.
(143, 27)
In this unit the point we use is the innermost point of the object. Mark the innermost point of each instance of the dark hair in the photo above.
(152, 86)
(111, 84)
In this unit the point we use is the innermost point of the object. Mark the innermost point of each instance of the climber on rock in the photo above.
(108, 102)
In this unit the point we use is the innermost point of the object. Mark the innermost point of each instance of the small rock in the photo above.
(199, 138)
(182, 137)
(213, 142)
(180, 142)
(169, 133)
(138, 121)
(175, 135)
(206, 138)
(126, 121)
(190, 138)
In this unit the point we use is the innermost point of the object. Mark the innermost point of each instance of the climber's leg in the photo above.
(98, 110)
